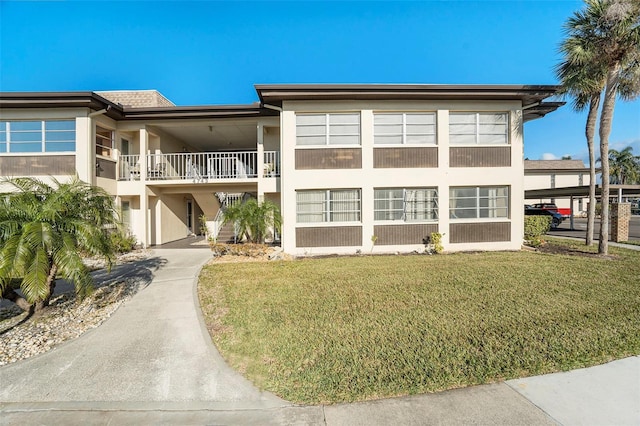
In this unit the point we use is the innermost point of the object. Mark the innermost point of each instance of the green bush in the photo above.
(122, 242)
(534, 228)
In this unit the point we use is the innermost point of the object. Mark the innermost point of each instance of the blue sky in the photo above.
(208, 52)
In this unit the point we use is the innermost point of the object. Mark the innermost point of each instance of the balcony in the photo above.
(201, 166)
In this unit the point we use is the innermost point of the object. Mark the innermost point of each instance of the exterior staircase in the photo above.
(226, 234)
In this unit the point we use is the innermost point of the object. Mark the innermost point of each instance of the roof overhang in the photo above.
(531, 96)
(582, 191)
(60, 100)
(116, 111)
(186, 112)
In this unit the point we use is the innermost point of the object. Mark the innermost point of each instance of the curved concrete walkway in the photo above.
(153, 362)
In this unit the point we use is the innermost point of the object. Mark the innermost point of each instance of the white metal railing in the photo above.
(271, 164)
(129, 167)
(199, 166)
(203, 165)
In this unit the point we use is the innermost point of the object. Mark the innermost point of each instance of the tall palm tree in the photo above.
(584, 85)
(604, 39)
(43, 231)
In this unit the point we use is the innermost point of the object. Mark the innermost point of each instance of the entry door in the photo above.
(190, 216)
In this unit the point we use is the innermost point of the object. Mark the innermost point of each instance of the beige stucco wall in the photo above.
(173, 218)
(368, 178)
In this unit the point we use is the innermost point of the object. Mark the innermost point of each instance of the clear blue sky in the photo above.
(214, 52)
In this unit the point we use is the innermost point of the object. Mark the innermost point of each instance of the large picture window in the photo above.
(104, 142)
(331, 205)
(478, 128)
(327, 129)
(404, 128)
(406, 204)
(475, 202)
(38, 136)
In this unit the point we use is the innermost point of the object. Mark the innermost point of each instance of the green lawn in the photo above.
(353, 328)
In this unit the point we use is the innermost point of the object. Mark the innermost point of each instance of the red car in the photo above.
(553, 208)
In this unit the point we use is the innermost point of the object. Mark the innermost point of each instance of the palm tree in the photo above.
(604, 39)
(43, 231)
(623, 166)
(254, 219)
(585, 86)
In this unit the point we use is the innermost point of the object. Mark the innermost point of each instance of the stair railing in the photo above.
(225, 200)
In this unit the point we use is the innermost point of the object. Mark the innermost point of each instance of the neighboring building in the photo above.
(546, 174)
(345, 162)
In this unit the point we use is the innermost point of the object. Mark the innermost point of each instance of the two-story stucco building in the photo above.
(348, 164)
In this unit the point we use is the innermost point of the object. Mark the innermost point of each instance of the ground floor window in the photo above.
(331, 205)
(406, 204)
(474, 202)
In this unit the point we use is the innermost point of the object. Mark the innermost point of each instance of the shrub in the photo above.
(534, 228)
(433, 243)
(254, 219)
(122, 242)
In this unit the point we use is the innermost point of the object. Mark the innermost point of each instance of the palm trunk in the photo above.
(590, 132)
(51, 284)
(606, 118)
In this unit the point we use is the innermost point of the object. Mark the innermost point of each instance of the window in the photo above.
(59, 136)
(478, 202)
(553, 181)
(3, 136)
(327, 129)
(404, 128)
(104, 142)
(333, 205)
(403, 204)
(126, 214)
(38, 136)
(478, 128)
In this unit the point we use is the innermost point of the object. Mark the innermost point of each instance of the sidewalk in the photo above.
(153, 363)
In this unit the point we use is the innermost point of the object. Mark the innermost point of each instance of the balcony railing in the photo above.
(271, 163)
(199, 166)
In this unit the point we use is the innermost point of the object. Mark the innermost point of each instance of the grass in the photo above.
(355, 328)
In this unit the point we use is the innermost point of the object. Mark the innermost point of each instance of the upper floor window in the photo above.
(328, 129)
(331, 205)
(38, 136)
(104, 142)
(478, 128)
(404, 128)
(406, 204)
(475, 202)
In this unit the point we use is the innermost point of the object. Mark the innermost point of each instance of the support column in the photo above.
(144, 149)
(260, 162)
(571, 214)
(144, 215)
(85, 151)
(620, 216)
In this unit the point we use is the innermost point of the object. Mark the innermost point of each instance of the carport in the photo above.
(617, 192)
